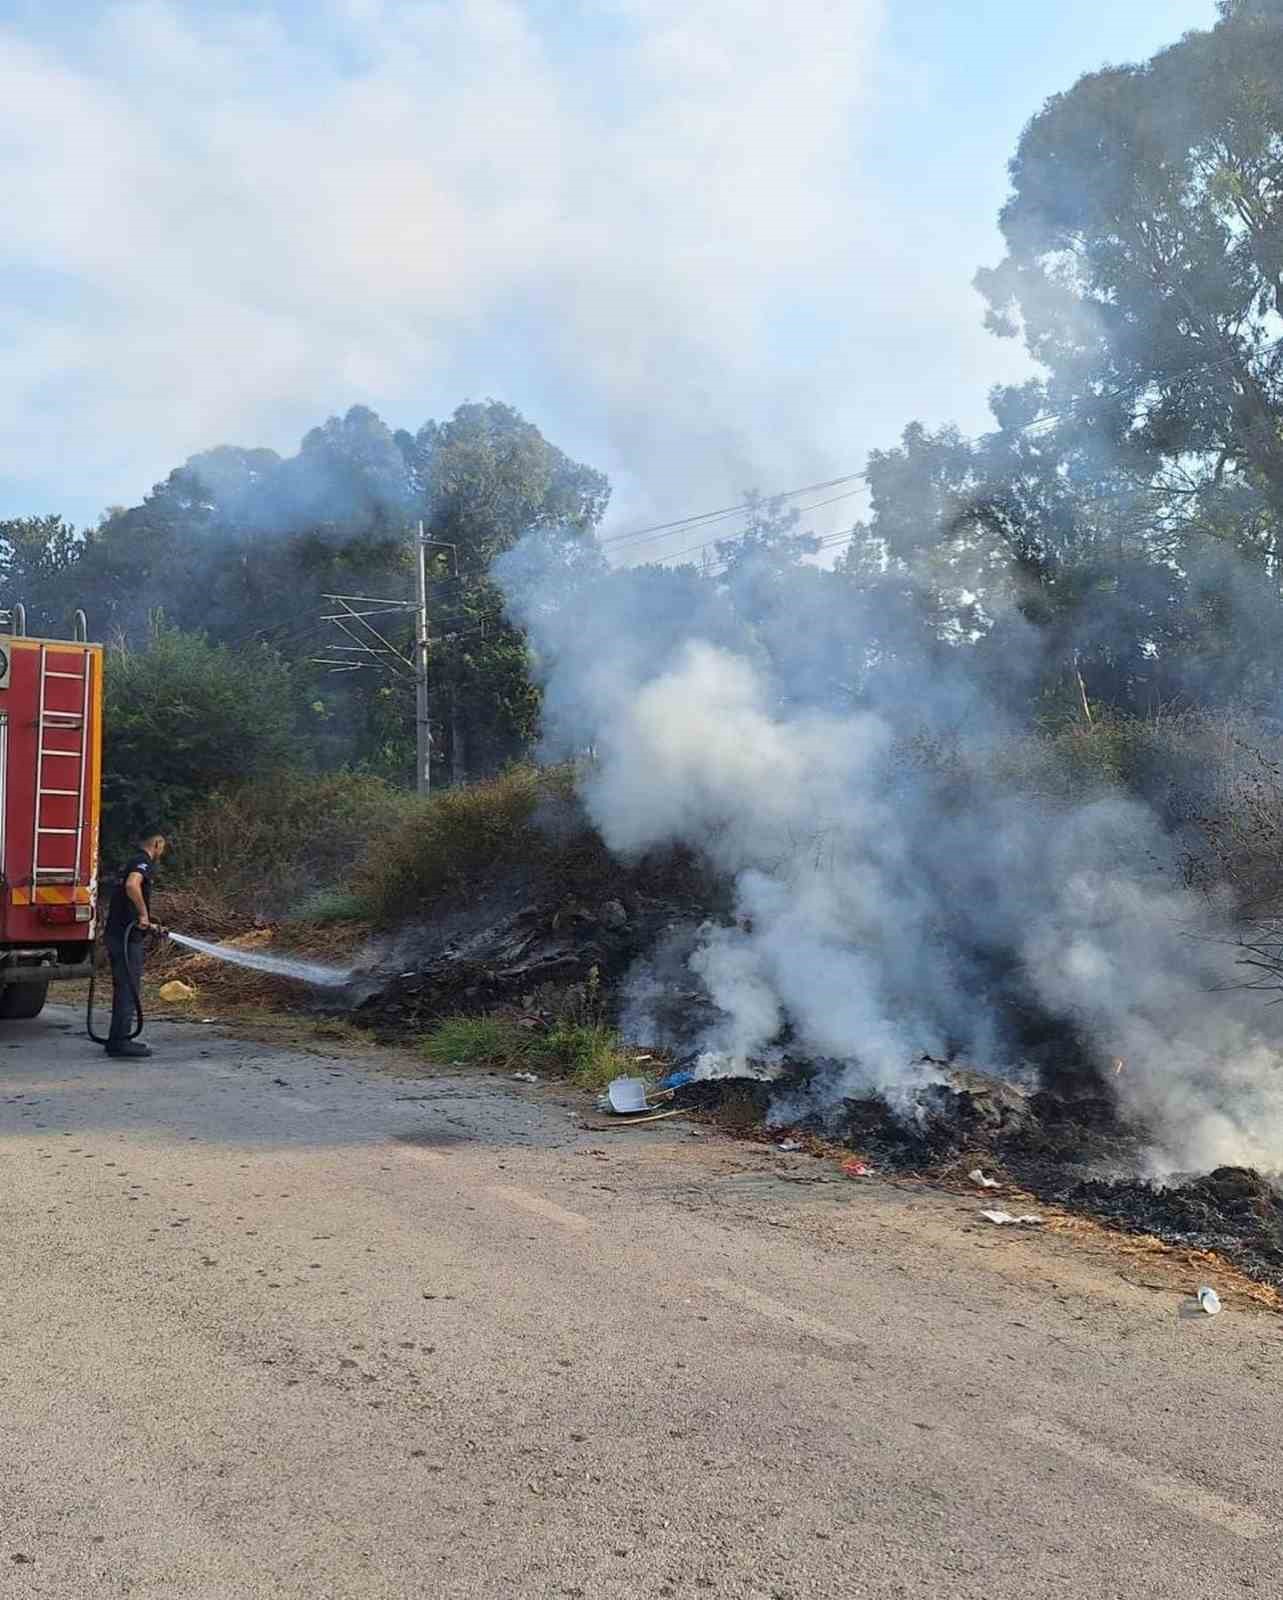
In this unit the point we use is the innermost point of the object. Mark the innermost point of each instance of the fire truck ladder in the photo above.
(53, 775)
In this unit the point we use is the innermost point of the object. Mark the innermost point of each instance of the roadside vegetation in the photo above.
(311, 849)
(462, 840)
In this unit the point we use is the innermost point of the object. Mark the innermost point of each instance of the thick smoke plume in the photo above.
(890, 908)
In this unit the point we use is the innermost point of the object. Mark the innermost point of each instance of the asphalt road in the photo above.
(281, 1325)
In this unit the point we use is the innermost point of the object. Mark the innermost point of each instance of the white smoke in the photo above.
(880, 918)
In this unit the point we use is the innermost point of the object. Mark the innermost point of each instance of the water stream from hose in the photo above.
(304, 971)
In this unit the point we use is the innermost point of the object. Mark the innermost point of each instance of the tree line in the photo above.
(210, 593)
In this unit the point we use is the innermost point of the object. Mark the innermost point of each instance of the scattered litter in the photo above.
(176, 989)
(791, 1144)
(1209, 1300)
(627, 1095)
(632, 1122)
(1004, 1217)
(855, 1168)
(978, 1177)
(526, 1077)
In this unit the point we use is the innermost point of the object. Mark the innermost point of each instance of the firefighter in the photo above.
(128, 919)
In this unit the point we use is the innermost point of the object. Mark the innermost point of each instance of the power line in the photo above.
(829, 541)
(1147, 498)
(1133, 496)
(275, 636)
(662, 529)
(731, 538)
(725, 511)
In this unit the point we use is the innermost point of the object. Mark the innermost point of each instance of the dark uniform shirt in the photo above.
(122, 913)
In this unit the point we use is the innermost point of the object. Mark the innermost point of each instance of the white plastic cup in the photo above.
(1209, 1300)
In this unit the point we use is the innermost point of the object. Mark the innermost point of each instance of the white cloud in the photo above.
(629, 219)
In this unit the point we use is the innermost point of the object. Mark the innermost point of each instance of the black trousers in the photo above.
(126, 955)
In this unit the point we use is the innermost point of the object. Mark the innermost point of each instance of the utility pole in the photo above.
(366, 646)
(423, 723)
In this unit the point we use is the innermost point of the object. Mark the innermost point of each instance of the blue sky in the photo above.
(704, 244)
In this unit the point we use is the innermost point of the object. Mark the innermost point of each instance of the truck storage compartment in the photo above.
(50, 780)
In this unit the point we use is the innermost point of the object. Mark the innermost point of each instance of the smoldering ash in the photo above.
(889, 907)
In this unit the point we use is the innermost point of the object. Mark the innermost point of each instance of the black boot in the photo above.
(129, 1047)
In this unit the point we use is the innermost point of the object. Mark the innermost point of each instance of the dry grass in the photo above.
(193, 909)
(283, 848)
(459, 841)
(223, 985)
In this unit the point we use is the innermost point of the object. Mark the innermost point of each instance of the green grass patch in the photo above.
(485, 1041)
(589, 1053)
(325, 906)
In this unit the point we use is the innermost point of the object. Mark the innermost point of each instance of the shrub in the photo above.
(1234, 833)
(455, 840)
(588, 1052)
(324, 906)
(182, 718)
(289, 844)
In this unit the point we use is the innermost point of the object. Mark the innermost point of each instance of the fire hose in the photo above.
(131, 933)
(281, 966)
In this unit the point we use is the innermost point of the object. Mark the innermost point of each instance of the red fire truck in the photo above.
(50, 791)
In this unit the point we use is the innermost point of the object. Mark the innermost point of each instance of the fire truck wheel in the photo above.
(18, 1000)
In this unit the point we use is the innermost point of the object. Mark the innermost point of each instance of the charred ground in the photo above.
(1063, 1141)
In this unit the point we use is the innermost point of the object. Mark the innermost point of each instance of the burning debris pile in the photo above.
(541, 913)
(1061, 1134)
(896, 899)
(508, 957)
(1059, 1130)
(1235, 1211)
(955, 1119)
(883, 913)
